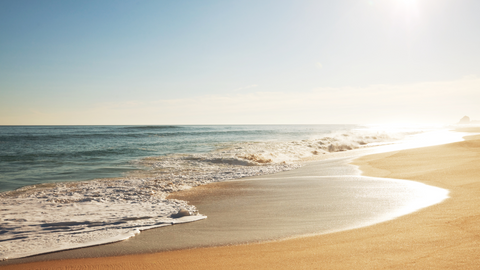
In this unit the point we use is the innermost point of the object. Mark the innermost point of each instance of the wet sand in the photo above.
(321, 197)
(441, 236)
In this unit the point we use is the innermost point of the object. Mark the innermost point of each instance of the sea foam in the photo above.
(52, 217)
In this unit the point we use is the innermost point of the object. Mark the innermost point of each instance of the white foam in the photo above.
(52, 217)
(65, 216)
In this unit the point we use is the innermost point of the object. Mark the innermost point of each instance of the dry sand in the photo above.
(444, 236)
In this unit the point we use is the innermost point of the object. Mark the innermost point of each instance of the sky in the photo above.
(239, 62)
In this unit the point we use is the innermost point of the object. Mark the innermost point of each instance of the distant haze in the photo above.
(239, 62)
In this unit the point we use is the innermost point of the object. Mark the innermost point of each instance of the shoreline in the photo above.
(330, 249)
(273, 207)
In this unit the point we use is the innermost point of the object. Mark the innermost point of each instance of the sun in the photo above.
(407, 3)
(408, 9)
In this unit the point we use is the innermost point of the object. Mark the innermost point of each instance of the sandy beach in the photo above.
(443, 236)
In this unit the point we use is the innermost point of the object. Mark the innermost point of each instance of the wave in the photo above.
(54, 156)
(166, 132)
(114, 209)
(52, 217)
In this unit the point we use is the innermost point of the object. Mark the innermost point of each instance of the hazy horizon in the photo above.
(239, 62)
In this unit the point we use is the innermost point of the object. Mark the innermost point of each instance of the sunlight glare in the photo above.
(408, 8)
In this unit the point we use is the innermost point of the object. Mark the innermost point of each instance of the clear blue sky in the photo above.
(234, 62)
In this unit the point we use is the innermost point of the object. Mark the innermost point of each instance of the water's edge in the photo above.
(252, 197)
(178, 204)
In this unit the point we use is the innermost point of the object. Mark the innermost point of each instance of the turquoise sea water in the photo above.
(46, 206)
(37, 154)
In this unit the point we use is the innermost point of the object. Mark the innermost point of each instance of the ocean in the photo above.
(65, 187)
(31, 155)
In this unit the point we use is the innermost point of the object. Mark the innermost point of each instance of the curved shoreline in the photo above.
(443, 235)
(321, 197)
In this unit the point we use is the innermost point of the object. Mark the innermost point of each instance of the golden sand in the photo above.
(443, 236)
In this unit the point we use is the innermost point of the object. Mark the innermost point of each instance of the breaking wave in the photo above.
(50, 217)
